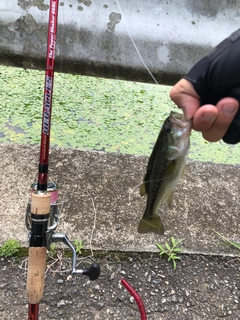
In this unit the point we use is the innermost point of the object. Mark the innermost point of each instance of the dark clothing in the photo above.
(217, 76)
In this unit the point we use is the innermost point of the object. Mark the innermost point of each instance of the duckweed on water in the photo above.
(93, 113)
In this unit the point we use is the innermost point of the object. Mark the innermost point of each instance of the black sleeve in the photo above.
(217, 76)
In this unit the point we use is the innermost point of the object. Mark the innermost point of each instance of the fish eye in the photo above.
(167, 128)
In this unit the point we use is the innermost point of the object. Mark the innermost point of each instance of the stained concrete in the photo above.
(93, 36)
(101, 200)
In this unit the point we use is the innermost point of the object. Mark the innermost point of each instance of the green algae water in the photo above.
(94, 114)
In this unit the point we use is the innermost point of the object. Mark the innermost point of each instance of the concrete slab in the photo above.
(102, 205)
(93, 36)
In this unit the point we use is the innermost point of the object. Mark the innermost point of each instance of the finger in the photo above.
(227, 109)
(214, 121)
(204, 118)
(185, 97)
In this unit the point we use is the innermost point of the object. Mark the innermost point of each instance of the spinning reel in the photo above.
(93, 271)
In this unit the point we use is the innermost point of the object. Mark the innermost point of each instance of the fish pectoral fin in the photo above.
(143, 189)
(169, 200)
(184, 171)
(171, 168)
(152, 224)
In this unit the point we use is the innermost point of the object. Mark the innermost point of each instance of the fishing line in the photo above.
(94, 224)
(131, 190)
(61, 46)
(134, 44)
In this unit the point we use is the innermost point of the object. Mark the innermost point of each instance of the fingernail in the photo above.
(187, 116)
(228, 109)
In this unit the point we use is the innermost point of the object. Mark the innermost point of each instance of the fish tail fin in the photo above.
(151, 224)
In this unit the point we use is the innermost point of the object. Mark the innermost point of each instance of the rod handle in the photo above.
(36, 274)
(40, 207)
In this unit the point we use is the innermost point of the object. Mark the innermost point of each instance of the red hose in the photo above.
(136, 297)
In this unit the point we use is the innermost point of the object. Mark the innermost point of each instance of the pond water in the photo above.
(94, 114)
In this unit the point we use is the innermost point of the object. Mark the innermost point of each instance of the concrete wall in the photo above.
(93, 38)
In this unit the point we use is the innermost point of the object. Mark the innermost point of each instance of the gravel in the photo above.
(202, 287)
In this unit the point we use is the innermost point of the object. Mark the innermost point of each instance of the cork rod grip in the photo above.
(36, 274)
(40, 205)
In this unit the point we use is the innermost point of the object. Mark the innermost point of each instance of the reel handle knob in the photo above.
(92, 272)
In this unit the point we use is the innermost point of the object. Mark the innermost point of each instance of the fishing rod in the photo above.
(42, 210)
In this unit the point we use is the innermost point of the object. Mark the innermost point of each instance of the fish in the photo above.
(166, 167)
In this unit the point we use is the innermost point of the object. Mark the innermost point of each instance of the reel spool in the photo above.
(52, 188)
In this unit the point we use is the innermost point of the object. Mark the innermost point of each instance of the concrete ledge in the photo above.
(93, 39)
(98, 188)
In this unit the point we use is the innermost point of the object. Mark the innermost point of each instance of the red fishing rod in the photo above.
(41, 198)
(42, 211)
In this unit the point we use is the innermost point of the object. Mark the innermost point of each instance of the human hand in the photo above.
(212, 120)
(214, 85)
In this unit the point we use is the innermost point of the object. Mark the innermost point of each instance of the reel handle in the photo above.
(92, 272)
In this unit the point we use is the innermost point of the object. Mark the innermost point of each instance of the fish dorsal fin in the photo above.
(143, 189)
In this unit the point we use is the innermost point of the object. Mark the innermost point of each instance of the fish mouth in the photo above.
(179, 120)
(180, 132)
(181, 128)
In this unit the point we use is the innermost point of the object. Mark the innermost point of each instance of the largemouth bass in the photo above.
(165, 168)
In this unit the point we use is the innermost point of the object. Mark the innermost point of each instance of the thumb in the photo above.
(185, 97)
